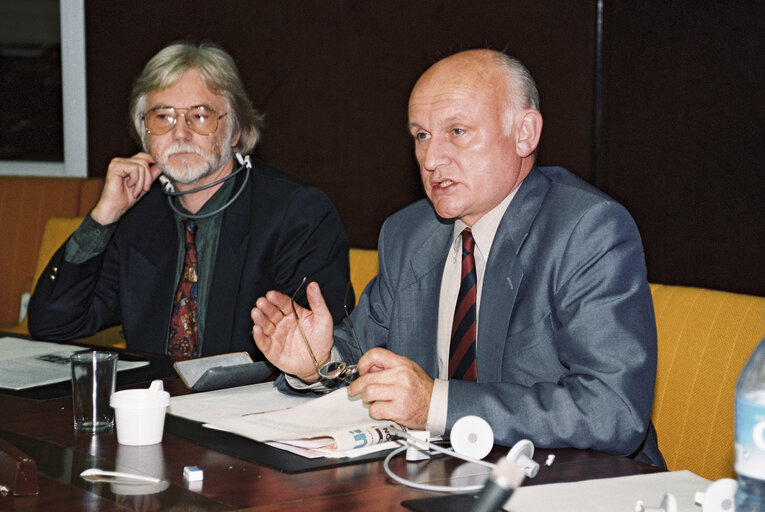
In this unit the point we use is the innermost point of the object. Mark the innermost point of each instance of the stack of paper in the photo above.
(333, 425)
(27, 364)
(611, 494)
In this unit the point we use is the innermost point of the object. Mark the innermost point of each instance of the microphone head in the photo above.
(508, 474)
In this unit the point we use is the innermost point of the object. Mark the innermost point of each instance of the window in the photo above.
(42, 83)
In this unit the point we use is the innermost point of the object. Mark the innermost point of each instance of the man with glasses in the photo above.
(181, 265)
(515, 293)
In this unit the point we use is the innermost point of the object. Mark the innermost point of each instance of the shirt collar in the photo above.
(484, 228)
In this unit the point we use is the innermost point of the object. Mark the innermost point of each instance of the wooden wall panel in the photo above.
(683, 144)
(681, 140)
(333, 78)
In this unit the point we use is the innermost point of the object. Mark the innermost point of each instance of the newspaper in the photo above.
(353, 442)
(27, 364)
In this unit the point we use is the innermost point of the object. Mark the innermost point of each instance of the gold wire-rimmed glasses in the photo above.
(200, 118)
(334, 371)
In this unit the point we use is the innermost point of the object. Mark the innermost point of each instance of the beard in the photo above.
(186, 173)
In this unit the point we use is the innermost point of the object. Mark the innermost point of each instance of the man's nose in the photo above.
(434, 154)
(182, 130)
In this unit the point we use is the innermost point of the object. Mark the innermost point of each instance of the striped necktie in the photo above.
(462, 350)
(183, 323)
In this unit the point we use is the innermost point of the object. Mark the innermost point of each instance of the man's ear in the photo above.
(529, 131)
(235, 138)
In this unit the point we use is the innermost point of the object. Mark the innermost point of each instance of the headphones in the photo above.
(169, 189)
(472, 439)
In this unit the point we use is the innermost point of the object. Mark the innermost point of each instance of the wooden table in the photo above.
(43, 429)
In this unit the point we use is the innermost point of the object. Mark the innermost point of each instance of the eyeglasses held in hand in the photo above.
(200, 118)
(334, 371)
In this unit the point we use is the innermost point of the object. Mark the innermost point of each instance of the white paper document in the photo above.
(27, 364)
(619, 494)
(333, 425)
(215, 406)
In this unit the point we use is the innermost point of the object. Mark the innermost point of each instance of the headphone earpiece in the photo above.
(167, 185)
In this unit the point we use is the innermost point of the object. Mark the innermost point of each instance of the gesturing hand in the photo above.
(276, 332)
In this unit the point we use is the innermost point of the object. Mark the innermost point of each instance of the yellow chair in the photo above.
(26, 203)
(364, 266)
(704, 339)
(57, 230)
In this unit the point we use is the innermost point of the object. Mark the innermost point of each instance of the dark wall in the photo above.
(683, 142)
(333, 78)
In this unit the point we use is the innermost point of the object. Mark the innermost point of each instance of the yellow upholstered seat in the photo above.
(57, 230)
(26, 203)
(364, 266)
(704, 339)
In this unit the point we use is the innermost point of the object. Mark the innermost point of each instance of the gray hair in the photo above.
(219, 74)
(520, 81)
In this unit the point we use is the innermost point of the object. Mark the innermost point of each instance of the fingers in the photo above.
(268, 312)
(377, 359)
(153, 168)
(127, 180)
(377, 367)
(265, 319)
(277, 305)
(316, 300)
(398, 390)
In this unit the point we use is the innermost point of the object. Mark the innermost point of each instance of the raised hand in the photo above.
(127, 181)
(276, 332)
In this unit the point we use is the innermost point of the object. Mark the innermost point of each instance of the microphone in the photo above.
(499, 487)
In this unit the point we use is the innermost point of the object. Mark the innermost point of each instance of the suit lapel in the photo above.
(233, 241)
(504, 275)
(150, 253)
(420, 293)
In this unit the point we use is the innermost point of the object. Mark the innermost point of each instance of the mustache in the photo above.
(182, 147)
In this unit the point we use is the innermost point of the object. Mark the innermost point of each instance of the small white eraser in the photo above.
(550, 459)
(193, 474)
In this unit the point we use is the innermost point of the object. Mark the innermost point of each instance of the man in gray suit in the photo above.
(550, 274)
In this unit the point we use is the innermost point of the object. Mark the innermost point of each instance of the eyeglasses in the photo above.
(334, 371)
(200, 118)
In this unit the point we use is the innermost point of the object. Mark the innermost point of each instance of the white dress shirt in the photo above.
(483, 231)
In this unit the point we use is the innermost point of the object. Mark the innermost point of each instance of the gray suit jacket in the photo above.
(566, 334)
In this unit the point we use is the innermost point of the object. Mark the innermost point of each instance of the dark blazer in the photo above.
(277, 231)
(566, 330)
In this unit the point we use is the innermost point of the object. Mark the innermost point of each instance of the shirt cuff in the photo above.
(89, 240)
(296, 383)
(439, 403)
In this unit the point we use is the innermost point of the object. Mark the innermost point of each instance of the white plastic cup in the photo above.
(140, 414)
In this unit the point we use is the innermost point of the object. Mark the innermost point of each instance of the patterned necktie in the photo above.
(183, 323)
(462, 362)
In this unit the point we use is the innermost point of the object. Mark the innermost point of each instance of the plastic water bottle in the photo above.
(750, 434)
